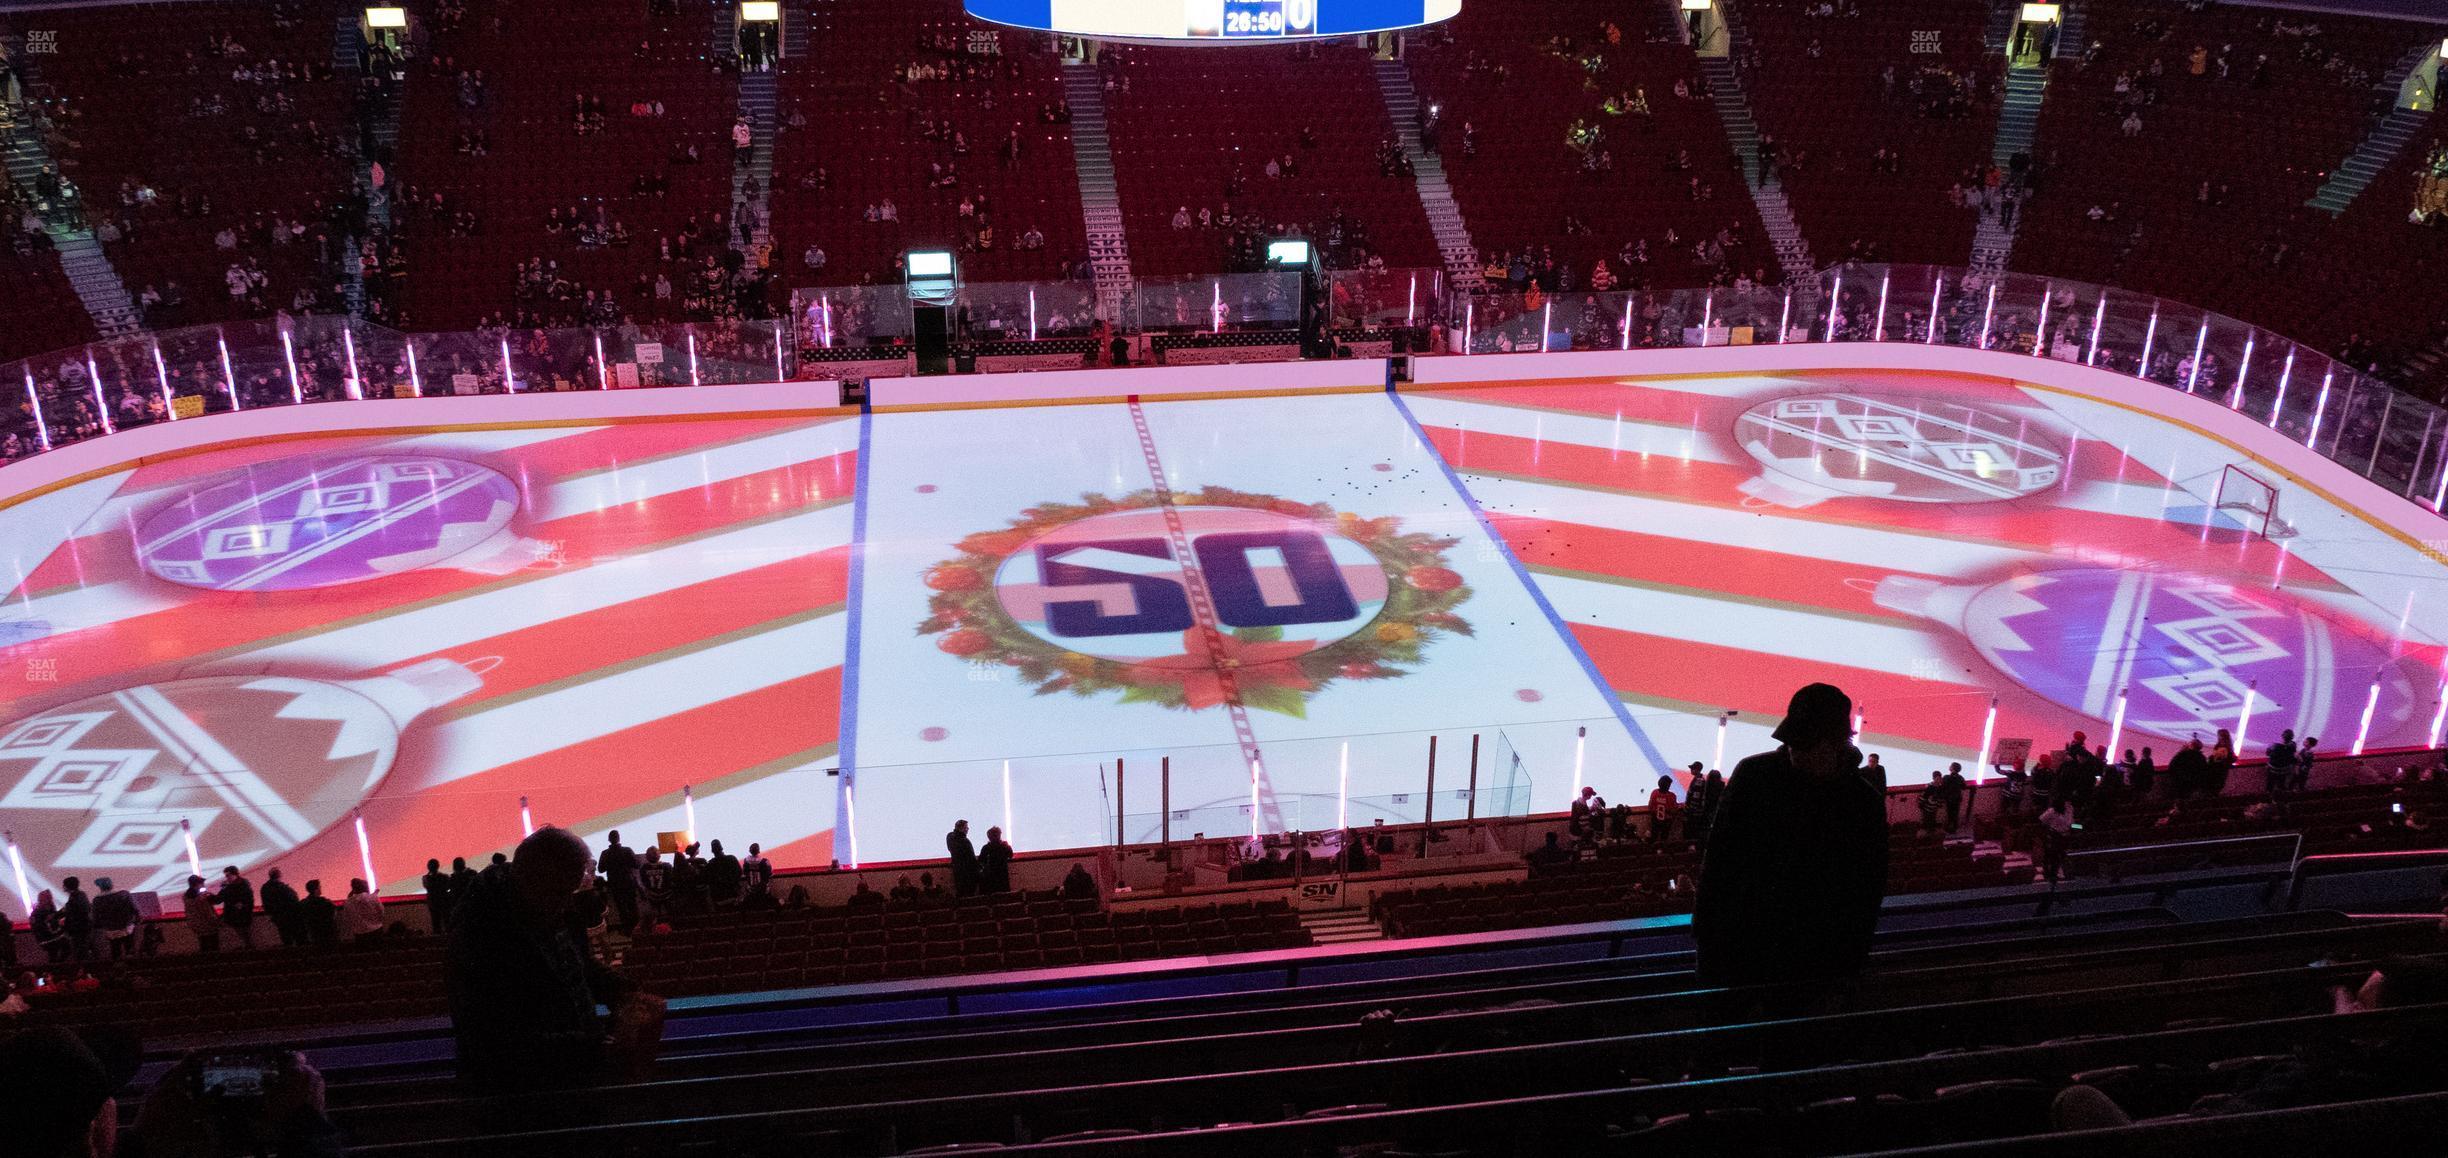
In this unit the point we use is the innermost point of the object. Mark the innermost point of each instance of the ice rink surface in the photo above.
(1179, 617)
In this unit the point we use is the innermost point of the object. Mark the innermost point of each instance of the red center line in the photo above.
(1210, 632)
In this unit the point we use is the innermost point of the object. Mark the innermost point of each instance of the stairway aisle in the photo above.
(1100, 203)
(1742, 133)
(81, 257)
(1341, 926)
(751, 168)
(2018, 122)
(2381, 146)
(1428, 173)
(376, 121)
(1743, 136)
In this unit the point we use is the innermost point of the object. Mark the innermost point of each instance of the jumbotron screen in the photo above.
(1214, 21)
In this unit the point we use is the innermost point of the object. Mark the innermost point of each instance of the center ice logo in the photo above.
(1218, 597)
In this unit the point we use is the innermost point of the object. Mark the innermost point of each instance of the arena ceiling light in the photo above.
(760, 12)
(386, 17)
(2040, 14)
(1288, 253)
(1697, 5)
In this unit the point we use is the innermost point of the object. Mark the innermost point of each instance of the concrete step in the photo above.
(1341, 927)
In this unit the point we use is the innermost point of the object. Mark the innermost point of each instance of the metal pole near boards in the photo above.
(1471, 805)
(1428, 806)
(1164, 791)
(1119, 811)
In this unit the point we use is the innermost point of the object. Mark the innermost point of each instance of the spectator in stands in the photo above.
(2222, 758)
(1077, 885)
(523, 991)
(1796, 867)
(619, 867)
(655, 886)
(437, 898)
(2302, 777)
(361, 915)
(1701, 802)
(903, 891)
(994, 863)
(1664, 810)
(688, 882)
(321, 916)
(757, 871)
(238, 905)
(1621, 823)
(2278, 771)
(1550, 855)
(964, 860)
(2187, 770)
(2056, 835)
(76, 918)
(722, 877)
(49, 927)
(203, 923)
(115, 917)
(1951, 796)
(1585, 810)
(280, 906)
(2145, 774)
(493, 870)
(865, 898)
(1928, 805)
(62, 1084)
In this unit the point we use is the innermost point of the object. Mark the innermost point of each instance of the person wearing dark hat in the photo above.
(1796, 866)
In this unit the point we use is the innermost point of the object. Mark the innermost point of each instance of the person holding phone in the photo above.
(62, 1088)
(523, 990)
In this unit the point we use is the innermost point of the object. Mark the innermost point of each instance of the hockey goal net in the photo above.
(2251, 500)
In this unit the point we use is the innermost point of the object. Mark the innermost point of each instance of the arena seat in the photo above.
(2261, 141)
(536, 60)
(1521, 184)
(2077, 1007)
(1188, 124)
(1816, 84)
(863, 115)
(271, 147)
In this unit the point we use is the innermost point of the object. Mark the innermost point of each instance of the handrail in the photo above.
(2179, 845)
(2343, 862)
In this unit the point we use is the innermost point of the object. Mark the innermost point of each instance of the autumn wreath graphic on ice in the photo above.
(1116, 595)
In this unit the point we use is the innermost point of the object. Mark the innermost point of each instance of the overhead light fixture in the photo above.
(1697, 5)
(2040, 14)
(386, 17)
(760, 12)
(1288, 253)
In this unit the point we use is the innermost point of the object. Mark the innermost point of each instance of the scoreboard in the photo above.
(1214, 21)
